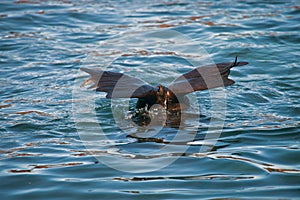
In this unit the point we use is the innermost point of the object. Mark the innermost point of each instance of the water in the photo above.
(44, 43)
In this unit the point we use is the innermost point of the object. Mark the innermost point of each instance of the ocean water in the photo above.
(63, 141)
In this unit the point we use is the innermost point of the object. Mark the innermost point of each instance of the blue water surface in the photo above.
(43, 154)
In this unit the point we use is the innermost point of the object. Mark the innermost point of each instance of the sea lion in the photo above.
(172, 98)
(201, 78)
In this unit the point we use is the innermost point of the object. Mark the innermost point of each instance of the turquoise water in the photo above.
(43, 152)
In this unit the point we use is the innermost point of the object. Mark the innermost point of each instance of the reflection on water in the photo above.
(43, 156)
